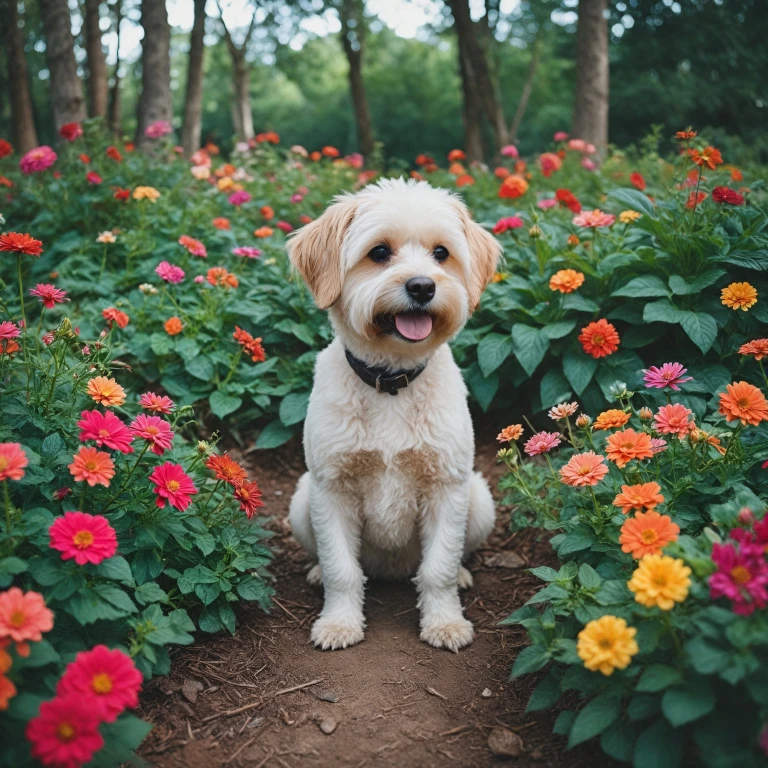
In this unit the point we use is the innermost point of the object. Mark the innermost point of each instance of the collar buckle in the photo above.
(391, 384)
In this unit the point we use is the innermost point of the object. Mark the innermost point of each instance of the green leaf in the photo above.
(545, 573)
(187, 349)
(12, 565)
(222, 405)
(684, 705)
(161, 344)
(682, 286)
(618, 742)
(530, 659)
(205, 543)
(492, 351)
(576, 540)
(227, 616)
(273, 435)
(701, 329)
(116, 568)
(201, 368)
(645, 285)
(554, 388)
(41, 653)
(121, 738)
(198, 574)
(579, 368)
(657, 677)
(530, 346)
(706, 657)
(146, 565)
(483, 388)
(634, 200)
(545, 695)
(150, 593)
(52, 445)
(588, 577)
(207, 592)
(209, 620)
(593, 719)
(558, 330)
(293, 408)
(661, 312)
(660, 746)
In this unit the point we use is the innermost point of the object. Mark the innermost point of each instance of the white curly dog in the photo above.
(388, 438)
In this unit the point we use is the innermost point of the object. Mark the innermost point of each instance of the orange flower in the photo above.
(220, 222)
(315, 156)
(573, 241)
(647, 533)
(112, 315)
(9, 347)
(738, 296)
(456, 169)
(638, 497)
(21, 244)
(226, 469)
(685, 135)
(757, 349)
(330, 152)
(456, 154)
(106, 391)
(745, 402)
(566, 280)
(173, 326)
(267, 212)
(23, 618)
(599, 339)
(622, 447)
(697, 435)
(263, 232)
(250, 345)
(611, 419)
(512, 187)
(584, 469)
(465, 180)
(510, 433)
(7, 692)
(93, 466)
(220, 277)
(707, 158)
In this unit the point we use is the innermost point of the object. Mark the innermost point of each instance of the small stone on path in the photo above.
(190, 689)
(328, 725)
(486, 694)
(504, 743)
(505, 560)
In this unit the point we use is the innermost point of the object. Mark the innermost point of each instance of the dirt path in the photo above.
(392, 700)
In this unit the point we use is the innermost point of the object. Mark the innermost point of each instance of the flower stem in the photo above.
(23, 317)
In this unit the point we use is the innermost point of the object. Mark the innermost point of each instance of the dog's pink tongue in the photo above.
(414, 327)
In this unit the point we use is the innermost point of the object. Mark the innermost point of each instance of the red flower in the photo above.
(114, 154)
(727, 195)
(122, 194)
(5, 149)
(155, 431)
(48, 294)
(637, 180)
(599, 339)
(83, 538)
(71, 131)
(109, 676)
(18, 243)
(252, 346)
(112, 315)
(106, 429)
(93, 178)
(568, 199)
(249, 496)
(84, 159)
(172, 484)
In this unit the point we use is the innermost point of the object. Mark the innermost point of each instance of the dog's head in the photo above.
(400, 264)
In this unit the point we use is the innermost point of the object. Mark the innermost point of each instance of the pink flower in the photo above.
(547, 202)
(740, 577)
(669, 375)
(296, 198)
(83, 538)
(561, 136)
(93, 178)
(238, 198)
(356, 160)
(588, 164)
(510, 222)
(247, 250)
(9, 330)
(37, 160)
(510, 150)
(156, 403)
(284, 226)
(169, 272)
(48, 294)
(199, 279)
(106, 429)
(577, 145)
(172, 484)
(658, 445)
(542, 442)
(155, 431)
(158, 129)
(673, 420)
(594, 219)
(12, 461)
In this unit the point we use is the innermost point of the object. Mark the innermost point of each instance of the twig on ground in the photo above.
(240, 749)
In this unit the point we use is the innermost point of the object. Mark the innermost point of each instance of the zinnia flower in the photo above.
(583, 421)
(169, 272)
(23, 619)
(195, 247)
(48, 294)
(106, 237)
(12, 461)
(627, 217)
(220, 222)
(566, 198)
(738, 296)
(251, 345)
(725, 195)
(507, 223)
(694, 199)
(82, 537)
(512, 187)
(37, 160)
(637, 180)
(599, 338)
(606, 644)
(247, 251)
(660, 581)
(146, 193)
(106, 429)
(226, 469)
(611, 419)
(542, 442)
(263, 232)
(658, 445)
(219, 276)
(638, 497)
(25, 244)
(105, 391)
(510, 433)
(707, 158)
(669, 375)
(647, 533)
(113, 315)
(156, 431)
(7, 690)
(173, 326)
(622, 447)
(173, 485)
(93, 178)
(566, 280)
(5, 148)
(594, 219)
(757, 348)
(108, 675)
(673, 420)
(156, 403)
(249, 496)
(741, 577)
(9, 330)
(93, 466)
(238, 198)
(113, 153)
(158, 129)
(563, 410)
(744, 402)
(685, 135)
(549, 163)
(584, 469)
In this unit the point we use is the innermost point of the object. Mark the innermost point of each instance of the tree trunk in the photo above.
(97, 64)
(590, 114)
(525, 95)
(66, 88)
(193, 102)
(243, 114)
(155, 102)
(22, 118)
(115, 106)
(471, 109)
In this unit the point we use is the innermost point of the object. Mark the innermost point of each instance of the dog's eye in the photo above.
(440, 252)
(380, 253)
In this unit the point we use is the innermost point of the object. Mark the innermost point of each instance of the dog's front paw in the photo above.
(451, 635)
(465, 580)
(331, 635)
(315, 575)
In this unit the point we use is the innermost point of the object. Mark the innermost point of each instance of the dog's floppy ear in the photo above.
(484, 252)
(315, 251)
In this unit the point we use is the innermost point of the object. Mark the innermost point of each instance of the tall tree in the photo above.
(241, 105)
(471, 107)
(23, 121)
(97, 64)
(590, 112)
(66, 88)
(115, 118)
(155, 101)
(193, 102)
(352, 16)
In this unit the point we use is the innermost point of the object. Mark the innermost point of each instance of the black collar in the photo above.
(381, 378)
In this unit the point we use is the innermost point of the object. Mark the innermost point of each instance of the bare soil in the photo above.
(389, 701)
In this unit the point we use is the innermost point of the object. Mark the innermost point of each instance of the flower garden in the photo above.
(150, 322)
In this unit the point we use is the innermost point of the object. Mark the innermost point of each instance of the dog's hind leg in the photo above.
(480, 522)
(301, 525)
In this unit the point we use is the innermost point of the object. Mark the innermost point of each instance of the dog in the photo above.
(388, 439)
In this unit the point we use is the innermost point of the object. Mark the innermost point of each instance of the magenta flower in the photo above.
(542, 442)
(83, 538)
(238, 198)
(156, 431)
(9, 330)
(509, 150)
(37, 160)
(741, 576)
(297, 197)
(106, 429)
(172, 485)
(158, 129)
(669, 375)
(48, 294)
(156, 403)
(169, 272)
(247, 251)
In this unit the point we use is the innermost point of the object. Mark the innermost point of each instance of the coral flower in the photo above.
(745, 402)
(221, 277)
(507, 223)
(611, 419)
(647, 533)
(584, 469)
(639, 497)
(7, 691)
(20, 243)
(226, 469)
(697, 435)
(563, 410)
(456, 154)
(9, 330)
(636, 180)
(146, 193)
(122, 194)
(37, 160)
(673, 420)
(195, 247)
(627, 217)
(173, 485)
(741, 577)
(249, 496)
(707, 158)
(546, 203)
(330, 152)
(594, 219)
(23, 618)
(106, 429)
(509, 150)
(725, 195)
(108, 675)
(10, 347)
(660, 581)
(606, 644)
(251, 345)
(93, 178)
(550, 163)
(566, 280)
(738, 296)
(105, 391)
(220, 222)
(113, 315)
(465, 180)
(512, 187)
(48, 294)
(113, 153)
(83, 538)
(510, 433)
(12, 461)
(583, 421)
(173, 326)
(622, 447)
(757, 348)
(65, 733)
(669, 375)
(599, 338)
(93, 466)
(542, 442)
(263, 232)
(156, 403)
(694, 199)
(658, 445)
(169, 272)
(685, 135)
(156, 431)
(566, 198)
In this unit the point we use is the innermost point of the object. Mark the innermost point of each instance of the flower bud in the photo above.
(645, 413)
(148, 289)
(534, 232)
(203, 447)
(583, 421)
(746, 516)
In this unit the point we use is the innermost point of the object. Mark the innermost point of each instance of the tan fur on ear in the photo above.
(484, 251)
(315, 251)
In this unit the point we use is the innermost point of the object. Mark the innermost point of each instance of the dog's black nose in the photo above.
(421, 289)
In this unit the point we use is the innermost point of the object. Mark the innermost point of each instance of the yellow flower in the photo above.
(607, 644)
(225, 183)
(627, 217)
(106, 237)
(660, 581)
(146, 193)
(498, 277)
(739, 296)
